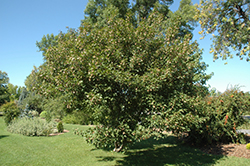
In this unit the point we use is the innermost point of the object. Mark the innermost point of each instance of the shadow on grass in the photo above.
(163, 152)
(3, 136)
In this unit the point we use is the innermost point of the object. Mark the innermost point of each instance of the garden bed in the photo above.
(238, 150)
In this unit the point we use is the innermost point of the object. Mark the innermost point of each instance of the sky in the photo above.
(22, 23)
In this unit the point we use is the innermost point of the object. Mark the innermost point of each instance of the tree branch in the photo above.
(242, 13)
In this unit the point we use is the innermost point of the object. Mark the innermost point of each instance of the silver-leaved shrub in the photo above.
(31, 127)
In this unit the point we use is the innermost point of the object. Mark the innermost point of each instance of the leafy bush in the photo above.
(60, 127)
(11, 111)
(218, 118)
(31, 127)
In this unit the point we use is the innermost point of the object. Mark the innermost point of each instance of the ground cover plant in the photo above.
(70, 149)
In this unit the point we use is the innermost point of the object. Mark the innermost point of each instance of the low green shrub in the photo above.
(60, 127)
(10, 111)
(31, 127)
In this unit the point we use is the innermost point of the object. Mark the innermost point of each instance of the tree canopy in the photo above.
(228, 22)
(124, 75)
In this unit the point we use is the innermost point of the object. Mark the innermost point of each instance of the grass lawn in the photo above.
(70, 149)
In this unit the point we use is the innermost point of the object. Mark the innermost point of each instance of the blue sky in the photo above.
(22, 23)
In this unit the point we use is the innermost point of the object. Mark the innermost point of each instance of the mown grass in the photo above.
(70, 149)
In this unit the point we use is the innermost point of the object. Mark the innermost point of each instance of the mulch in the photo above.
(238, 150)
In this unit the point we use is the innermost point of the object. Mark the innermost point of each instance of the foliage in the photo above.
(4, 95)
(14, 91)
(248, 146)
(46, 42)
(31, 127)
(143, 8)
(60, 127)
(28, 113)
(229, 21)
(123, 75)
(186, 13)
(247, 98)
(11, 112)
(33, 100)
(218, 117)
(22, 96)
(43, 114)
(79, 117)
(56, 107)
(30, 81)
(97, 11)
(246, 125)
(46, 115)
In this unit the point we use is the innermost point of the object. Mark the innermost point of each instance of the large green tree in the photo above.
(4, 80)
(127, 77)
(228, 22)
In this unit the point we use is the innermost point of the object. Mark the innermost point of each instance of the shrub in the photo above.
(218, 118)
(60, 127)
(11, 112)
(31, 127)
(248, 146)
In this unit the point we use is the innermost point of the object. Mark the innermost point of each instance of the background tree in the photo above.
(97, 11)
(4, 94)
(14, 91)
(228, 21)
(186, 12)
(142, 8)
